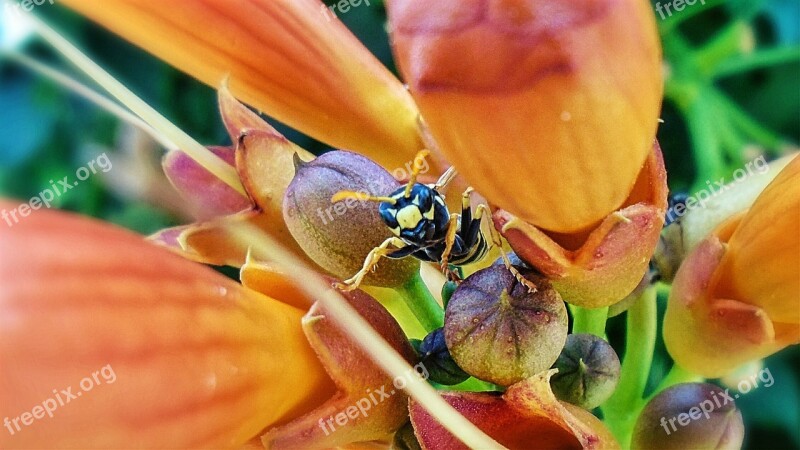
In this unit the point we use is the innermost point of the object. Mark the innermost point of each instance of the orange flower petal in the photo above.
(762, 264)
(197, 360)
(288, 58)
(735, 297)
(206, 195)
(604, 267)
(366, 417)
(527, 416)
(269, 280)
(708, 335)
(216, 241)
(567, 92)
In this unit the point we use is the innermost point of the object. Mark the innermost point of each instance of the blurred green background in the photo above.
(732, 94)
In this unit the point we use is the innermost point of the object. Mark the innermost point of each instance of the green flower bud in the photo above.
(588, 371)
(500, 332)
(338, 236)
(690, 415)
(436, 358)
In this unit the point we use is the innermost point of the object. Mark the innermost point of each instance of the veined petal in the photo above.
(288, 58)
(568, 92)
(176, 355)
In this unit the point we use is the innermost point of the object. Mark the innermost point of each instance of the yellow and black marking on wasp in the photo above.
(424, 228)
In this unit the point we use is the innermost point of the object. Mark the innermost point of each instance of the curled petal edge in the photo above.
(713, 336)
(528, 413)
(608, 264)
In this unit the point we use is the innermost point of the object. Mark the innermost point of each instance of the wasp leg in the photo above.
(497, 240)
(450, 239)
(370, 262)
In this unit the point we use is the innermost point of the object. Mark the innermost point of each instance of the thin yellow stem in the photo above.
(186, 143)
(86, 92)
(365, 336)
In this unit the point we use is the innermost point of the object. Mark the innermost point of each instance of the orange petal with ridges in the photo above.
(604, 267)
(567, 92)
(287, 58)
(197, 360)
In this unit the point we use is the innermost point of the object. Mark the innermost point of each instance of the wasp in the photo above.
(423, 227)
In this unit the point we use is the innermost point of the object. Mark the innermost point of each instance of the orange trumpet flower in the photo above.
(735, 297)
(565, 93)
(271, 50)
(112, 351)
(175, 355)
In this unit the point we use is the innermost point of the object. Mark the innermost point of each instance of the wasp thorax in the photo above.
(500, 331)
(339, 235)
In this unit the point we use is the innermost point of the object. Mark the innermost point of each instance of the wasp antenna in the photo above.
(343, 195)
(412, 180)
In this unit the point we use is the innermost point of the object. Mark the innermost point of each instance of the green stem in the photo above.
(422, 304)
(707, 153)
(619, 411)
(672, 21)
(676, 375)
(591, 321)
(747, 124)
(758, 60)
(723, 46)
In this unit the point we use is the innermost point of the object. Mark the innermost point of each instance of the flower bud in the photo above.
(588, 371)
(690, 415)
(499, 331)
(436, 358)
(574, 90)
(338, 236)
(734, 298)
